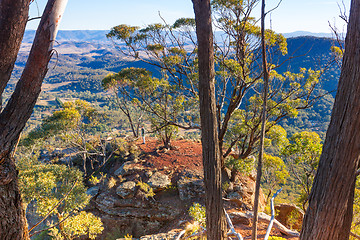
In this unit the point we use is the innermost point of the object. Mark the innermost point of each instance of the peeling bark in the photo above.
(13, 18)
(329, 214)
(13, 118)
(215, 218)
(13, 224)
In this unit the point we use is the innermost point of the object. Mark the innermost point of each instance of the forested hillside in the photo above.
(84, 58)
(208, 124)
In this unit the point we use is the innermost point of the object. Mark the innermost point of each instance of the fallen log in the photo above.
(247, 217)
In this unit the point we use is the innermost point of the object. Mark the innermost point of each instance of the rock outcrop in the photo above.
(289, 215)
(147, 198)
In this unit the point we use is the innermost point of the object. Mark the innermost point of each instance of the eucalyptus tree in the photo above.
(302, 157)
(330, 211)
(13, 18)
(142, 97)
(173, 49)
(215, 220)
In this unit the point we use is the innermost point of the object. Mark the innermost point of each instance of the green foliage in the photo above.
(48, 184)
(82, 224)
(170, 101)
(238, 78)
(184, 22)
(146, 189)
(242, 165)
(72, 128)
(337, 51)
(276, 140)
(274, 172)
(122, 32)
(152, 95)
(238, 81)
(302, 156)
(78, 115)
(128, 237)
(276, 238)
(61, 189)
(197, 212)
(355, 227)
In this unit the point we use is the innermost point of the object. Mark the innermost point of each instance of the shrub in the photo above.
(197, 212)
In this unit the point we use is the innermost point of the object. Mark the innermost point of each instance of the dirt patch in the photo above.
(185, 154)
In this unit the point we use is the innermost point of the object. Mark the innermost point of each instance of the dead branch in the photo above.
(272, 215)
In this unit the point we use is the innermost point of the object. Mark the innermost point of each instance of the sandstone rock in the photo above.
(127, 168)
(238, 188)
(161, 236)
(123, 169)
(148, 173)
(245, 186)
(289, 215)
(133, 208)
(190, 188)
(105, 201)
(93, 191)
(159, 181)
(240, 218)
(235, 197)
(126, 189)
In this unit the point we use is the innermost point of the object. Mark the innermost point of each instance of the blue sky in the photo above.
(292, 15)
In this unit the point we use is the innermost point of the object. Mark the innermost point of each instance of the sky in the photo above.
(290, 16)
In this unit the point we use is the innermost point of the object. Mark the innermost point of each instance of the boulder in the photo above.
(235, 197)
(105, 201)
(161, 236)
(289, 215)
(240, 218)
(245, 186)
(126, 189)
(128, 168)
(190, 188)
(159, 181)
(93, 191)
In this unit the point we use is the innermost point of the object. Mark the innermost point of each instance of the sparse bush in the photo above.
(276, 238)
(146, 189)
(94, 180)
(82, 224)
(111, 183)
(197, 212)
(244, 166)
(128, 237)
(225, 186)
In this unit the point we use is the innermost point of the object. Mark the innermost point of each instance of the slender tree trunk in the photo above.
(13, 18)
(329, 213)
(13, 224)
(263, 122)
(18, 110)
(215, 221)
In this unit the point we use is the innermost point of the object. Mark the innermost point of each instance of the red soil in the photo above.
(186, 154)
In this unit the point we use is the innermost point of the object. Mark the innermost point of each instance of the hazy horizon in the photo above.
(290, 16)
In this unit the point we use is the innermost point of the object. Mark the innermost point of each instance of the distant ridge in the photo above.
(73, 35)
(100, 35)
(305, 33)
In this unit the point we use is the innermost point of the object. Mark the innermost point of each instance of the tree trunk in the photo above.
(13, 224)
(263, 122)
(18, 110)
(215, 221)
(13, 18)
(329, 212)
